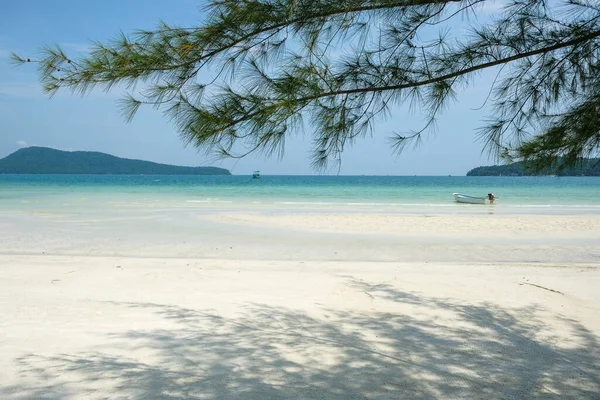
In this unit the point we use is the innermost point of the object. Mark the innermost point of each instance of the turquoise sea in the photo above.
(393, 194)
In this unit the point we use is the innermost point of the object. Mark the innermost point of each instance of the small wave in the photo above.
(370, 204)
(311, 203)
(210, 201)
(554, 205)
(531, 205)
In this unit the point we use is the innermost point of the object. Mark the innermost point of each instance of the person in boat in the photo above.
(491, 197)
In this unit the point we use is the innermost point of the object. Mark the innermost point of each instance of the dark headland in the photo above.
(587, 167)
(44, 160)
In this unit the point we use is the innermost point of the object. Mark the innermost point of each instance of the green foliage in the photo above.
(42, 160)
(584, 167)
(256, 71)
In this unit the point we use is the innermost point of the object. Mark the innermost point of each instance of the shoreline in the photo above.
(309, 237)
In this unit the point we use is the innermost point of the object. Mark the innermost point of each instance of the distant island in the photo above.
(588, 167)
(44, 160)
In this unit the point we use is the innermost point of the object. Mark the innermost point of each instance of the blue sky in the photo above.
(28, 117)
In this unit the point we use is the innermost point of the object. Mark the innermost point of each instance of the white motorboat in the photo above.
(463, 198)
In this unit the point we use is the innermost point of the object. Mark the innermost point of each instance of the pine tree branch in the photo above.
(465, 71)
(502, 61)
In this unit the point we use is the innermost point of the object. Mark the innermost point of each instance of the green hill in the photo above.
(587, 167)
(43, 160)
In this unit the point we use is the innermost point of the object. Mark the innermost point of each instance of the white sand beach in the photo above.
(254, 305)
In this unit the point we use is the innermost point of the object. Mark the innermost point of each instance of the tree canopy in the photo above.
(255, 71)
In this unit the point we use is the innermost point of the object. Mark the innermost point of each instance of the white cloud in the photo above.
(22, 143)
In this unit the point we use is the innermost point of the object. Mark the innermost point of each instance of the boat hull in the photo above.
(463, 198)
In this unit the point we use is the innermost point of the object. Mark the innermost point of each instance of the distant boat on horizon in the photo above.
(256, 175)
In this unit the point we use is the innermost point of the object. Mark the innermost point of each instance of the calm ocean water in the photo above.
(402, 194)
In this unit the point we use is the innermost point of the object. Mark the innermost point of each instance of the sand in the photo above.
(290, 305)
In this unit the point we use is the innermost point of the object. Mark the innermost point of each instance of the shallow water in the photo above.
(390, 194)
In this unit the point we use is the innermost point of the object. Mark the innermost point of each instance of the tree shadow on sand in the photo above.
(441, 349)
